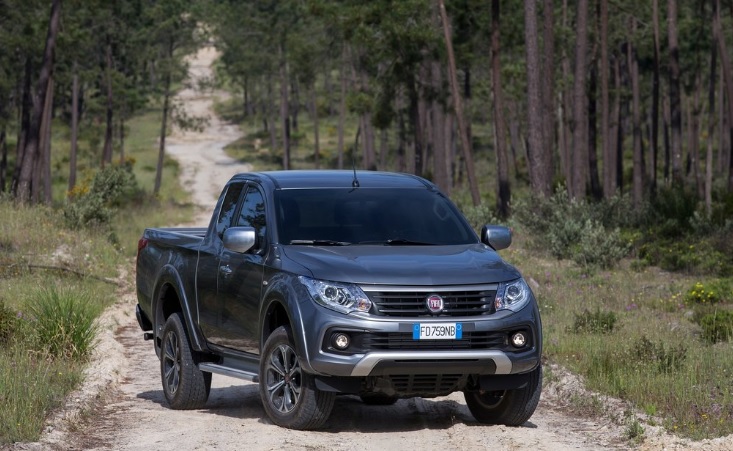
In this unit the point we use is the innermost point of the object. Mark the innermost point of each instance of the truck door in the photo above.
(240, 279)
(208, 266)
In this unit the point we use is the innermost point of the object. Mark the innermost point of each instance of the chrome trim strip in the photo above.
(429, 289)
(369, 361)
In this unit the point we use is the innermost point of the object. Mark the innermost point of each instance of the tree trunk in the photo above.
(728, 81)
(316, 138)
(504, 196)
(609, 181)
(539, 163)
(618, 149)
(441, 161)
(109, 130)
(595, 182)
(43, 194)
(694, 134)
(284, 108)
(3, 160)
(711, 117)
(548, 91)
(163, 129)
(270, 112)
(580, 114)
(74, 128)
(675, 103)
(342, 116)
(655, 102)
(31, 148)
(565, 110)
(638, 157)
(465, 141)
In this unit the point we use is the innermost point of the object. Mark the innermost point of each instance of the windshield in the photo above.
(340, 217)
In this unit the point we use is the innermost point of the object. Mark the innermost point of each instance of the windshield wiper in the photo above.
(321, 242)
(404, 242)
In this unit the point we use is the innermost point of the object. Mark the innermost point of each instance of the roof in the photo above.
(299, 179)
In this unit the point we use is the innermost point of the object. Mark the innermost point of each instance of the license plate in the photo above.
(437, 331)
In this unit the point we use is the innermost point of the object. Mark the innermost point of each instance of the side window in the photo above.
(228, 206)
(253, 213)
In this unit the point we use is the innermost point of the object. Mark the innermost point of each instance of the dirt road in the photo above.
(122, 407)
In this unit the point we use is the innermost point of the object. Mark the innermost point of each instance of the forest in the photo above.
(601, 97)
(600, 131)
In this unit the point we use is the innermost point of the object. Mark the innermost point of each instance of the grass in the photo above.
(654, 356)
(52, 277)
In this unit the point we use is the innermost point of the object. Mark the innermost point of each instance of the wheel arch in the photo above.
(169, 298)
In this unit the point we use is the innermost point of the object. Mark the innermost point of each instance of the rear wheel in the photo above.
(184, 385)
(288, 393)
(509, 407)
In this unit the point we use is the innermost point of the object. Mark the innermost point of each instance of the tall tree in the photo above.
(580, 112)
(504, 196)
(675, 102)
(539, 162)
(609, 179)
(728, 82)
(30, 153)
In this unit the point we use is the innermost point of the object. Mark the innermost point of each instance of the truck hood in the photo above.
(402, 265)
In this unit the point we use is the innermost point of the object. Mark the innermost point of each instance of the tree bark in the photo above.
(284, 108)
(638, 157)
(109, 130)
(539, 162)
(580, 115)
(711, 116)
(609, 181)
(342, 116)
(675, 103)
(465, 141)
(728, 81)
(596, 189)
(655, 102)
(3, 160)
(618, 147)
(504, 196)
(316, 138)
(25, 121)
(163, 130)
(74, 128)
(43, 190)
(548, 91)
(31, 148)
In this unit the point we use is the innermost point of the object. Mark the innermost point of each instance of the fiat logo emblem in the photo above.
(434, 303)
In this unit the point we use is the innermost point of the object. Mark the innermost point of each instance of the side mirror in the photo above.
(239, 239)
(498, 237)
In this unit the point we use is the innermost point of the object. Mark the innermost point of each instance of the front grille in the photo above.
(383, 341)
(425, 383)
(413, 303)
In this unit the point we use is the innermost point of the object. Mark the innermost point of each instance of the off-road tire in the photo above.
(509, 407)
(184, 385)
(288, 393)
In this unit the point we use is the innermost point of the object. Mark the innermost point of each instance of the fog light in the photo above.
(340, 341)
(519, 340)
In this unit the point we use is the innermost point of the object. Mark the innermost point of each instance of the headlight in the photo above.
(512, 295)
(342, 297)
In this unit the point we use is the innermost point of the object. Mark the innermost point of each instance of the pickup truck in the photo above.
(320, 283)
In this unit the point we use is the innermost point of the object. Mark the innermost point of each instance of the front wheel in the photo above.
(184, 385)
(509, 407)
(288, 393)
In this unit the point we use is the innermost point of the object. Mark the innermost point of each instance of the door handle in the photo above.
(226, 270)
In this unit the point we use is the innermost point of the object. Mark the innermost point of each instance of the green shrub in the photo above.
(64, 321)
(578, 230)
(598, 322)
(94, 204)
(672, 211)
(717, 326)
(9, 324)
(707, 293)
(479, 216)
(665, 359)
(599, 248)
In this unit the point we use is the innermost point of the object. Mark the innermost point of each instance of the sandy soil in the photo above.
(121, 405)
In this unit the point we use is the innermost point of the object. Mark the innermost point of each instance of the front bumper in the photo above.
(482, 357)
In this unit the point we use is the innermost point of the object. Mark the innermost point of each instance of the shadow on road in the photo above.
(349, 413)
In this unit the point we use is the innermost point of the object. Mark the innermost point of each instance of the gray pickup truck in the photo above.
(320, 283)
